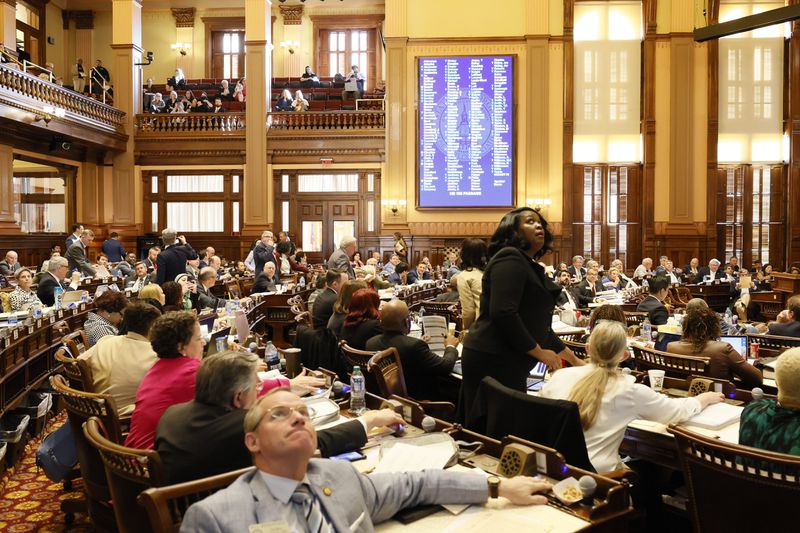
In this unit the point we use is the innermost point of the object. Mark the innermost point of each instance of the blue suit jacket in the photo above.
(353, 501)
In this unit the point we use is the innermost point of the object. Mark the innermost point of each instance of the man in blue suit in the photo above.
(289, 491)
(113, 248)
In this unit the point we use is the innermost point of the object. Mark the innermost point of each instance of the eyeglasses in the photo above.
(282, 412)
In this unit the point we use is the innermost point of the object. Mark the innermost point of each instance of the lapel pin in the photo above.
(327, 491)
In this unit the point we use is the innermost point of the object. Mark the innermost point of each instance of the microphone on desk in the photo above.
(428, 424)
(338, 388)
(587, 485)
(626, 370)
(757, 393)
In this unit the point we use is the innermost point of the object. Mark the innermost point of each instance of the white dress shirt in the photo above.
(624, 401)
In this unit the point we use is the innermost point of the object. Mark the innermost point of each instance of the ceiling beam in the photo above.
(748, 23)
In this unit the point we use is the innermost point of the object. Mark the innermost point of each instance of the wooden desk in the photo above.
(786, 283)
(717, 296)
(276, 315)
(770, 303)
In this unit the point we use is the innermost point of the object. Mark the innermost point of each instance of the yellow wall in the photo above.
(55, 52)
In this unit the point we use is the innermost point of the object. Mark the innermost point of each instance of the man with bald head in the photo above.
(10, 264)
(420, 365)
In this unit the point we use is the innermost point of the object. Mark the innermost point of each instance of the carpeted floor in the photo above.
(31, 502)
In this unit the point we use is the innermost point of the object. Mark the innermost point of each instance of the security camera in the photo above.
(149, 56)
(66, 146)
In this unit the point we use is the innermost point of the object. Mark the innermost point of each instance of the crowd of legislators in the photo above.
(206, 416)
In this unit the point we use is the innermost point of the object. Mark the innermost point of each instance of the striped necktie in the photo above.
(311, 510)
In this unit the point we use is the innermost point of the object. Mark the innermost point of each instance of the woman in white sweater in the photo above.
(474, 256)
(609, 400)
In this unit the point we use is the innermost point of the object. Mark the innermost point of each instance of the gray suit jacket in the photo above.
(340, 261)
(76, 255)
(354, 502)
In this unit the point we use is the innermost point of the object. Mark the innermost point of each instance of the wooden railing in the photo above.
(152, 124)
(30, 86)
(327, 120)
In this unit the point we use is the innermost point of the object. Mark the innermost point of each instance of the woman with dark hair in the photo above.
(363, 319)
(400, 274)
(173, 296)
(513, 331)
(288, 263)
(613, 313)
(176, 339)
(701, 331)
(474, 256)
(106, 317)
(357, 262)
(342, 306)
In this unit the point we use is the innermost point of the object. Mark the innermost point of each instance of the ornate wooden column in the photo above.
(258, 205)
(793, 129)
(8, 225)
(8, 25)
(568, 214)
(127, 46)
(537, 56)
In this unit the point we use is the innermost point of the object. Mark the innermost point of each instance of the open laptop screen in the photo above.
(739, 343)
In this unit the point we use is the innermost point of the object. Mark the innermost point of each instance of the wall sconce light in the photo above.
(182, 48)
(49, 113)
(394, 208)
(537, 204)
(290, 45)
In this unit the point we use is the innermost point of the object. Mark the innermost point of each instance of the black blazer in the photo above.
(263, 283)
(584, 294)
(172, 261)
(790, 329)
(572, 271)
(323, 307)
(48, 284)
(197, 440)
(420, 364)
(516, 310)
(357, 336)
(705, 271)
(261, 255)
(563, 299)
(656, 312)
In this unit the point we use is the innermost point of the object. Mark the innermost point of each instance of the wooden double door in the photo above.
(321, 224)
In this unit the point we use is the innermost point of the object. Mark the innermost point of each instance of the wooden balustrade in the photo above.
(30, 86)
(153, 124)
(327, 120)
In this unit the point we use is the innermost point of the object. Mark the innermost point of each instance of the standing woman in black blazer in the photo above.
(513, 331)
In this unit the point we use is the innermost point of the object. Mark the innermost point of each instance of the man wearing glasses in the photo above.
(57, 269)
(288, 491)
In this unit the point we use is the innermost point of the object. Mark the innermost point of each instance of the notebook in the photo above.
(716, 416)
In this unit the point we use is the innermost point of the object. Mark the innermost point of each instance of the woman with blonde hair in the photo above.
(300, 103)
(609, 400)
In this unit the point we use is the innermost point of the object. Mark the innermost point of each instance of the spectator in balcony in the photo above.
(158, 104)
(101, 78)
(240, 91)
(309, 79)
(78, 76)
(178, 80)
(300, 103)
(285, 101)
(218, 106)
(224, 91)
(357, 77)
(171, 102)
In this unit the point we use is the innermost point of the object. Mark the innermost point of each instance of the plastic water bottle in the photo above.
(358, 403)
(302, 282)
(271, 357)
(647, 329)
(12, 320)
(57, 293)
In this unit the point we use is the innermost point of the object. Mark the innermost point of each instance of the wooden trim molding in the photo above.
(684, 229)
(292, 15)
(84, 19)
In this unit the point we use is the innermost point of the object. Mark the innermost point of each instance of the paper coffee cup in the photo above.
(656, 379)
(451, 329)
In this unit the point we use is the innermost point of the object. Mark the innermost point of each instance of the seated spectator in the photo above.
(657, 313)
(171, 102)
(22, 297)
(10, 264)
(205, 436)
(701, 330)
(420, 274)
(120, 362)
(788, 320)
(224, 91)
(357, 79)
(240, 91)
(176, 339)
(178, 80)
(217, 108)
(775, 425)
(58, 267)
(106, 316)
(309, 78)
(285, 101)
(342, 306)
(609, 400)
(363, 319)
(158, 104)
(300, 103)
(267, 281)
(420, 365)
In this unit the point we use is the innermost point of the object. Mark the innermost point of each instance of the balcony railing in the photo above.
(149, 125)
(327, 120)
(49, 94)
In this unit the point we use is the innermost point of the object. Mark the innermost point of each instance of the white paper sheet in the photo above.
(407, 458)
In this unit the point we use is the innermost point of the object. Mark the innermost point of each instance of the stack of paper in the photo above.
(716, 416)
(435, 327)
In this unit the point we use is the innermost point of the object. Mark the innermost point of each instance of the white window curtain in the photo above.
(204, 183)
(196, 216)
(608, 38)
(327, 183)
(751, 89)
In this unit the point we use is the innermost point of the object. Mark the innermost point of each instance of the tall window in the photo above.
(750, 146)
(208, 202)
(607, 142)
(39, 205)
(607, 75)
(340, 49)
(227, 56)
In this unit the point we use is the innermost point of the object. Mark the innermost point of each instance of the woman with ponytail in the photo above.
(609, 400)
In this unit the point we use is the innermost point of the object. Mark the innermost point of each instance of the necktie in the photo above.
(311, 510)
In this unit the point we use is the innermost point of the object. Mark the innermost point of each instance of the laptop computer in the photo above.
(536, 377)
(739, 343)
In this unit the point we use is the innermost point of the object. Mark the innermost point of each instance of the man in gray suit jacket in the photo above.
(290, 492)
(76, 254)
(340, 258)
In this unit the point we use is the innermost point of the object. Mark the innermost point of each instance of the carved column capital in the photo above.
(292, 15)
(84, 20)
(12, 3)
(184, 17)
